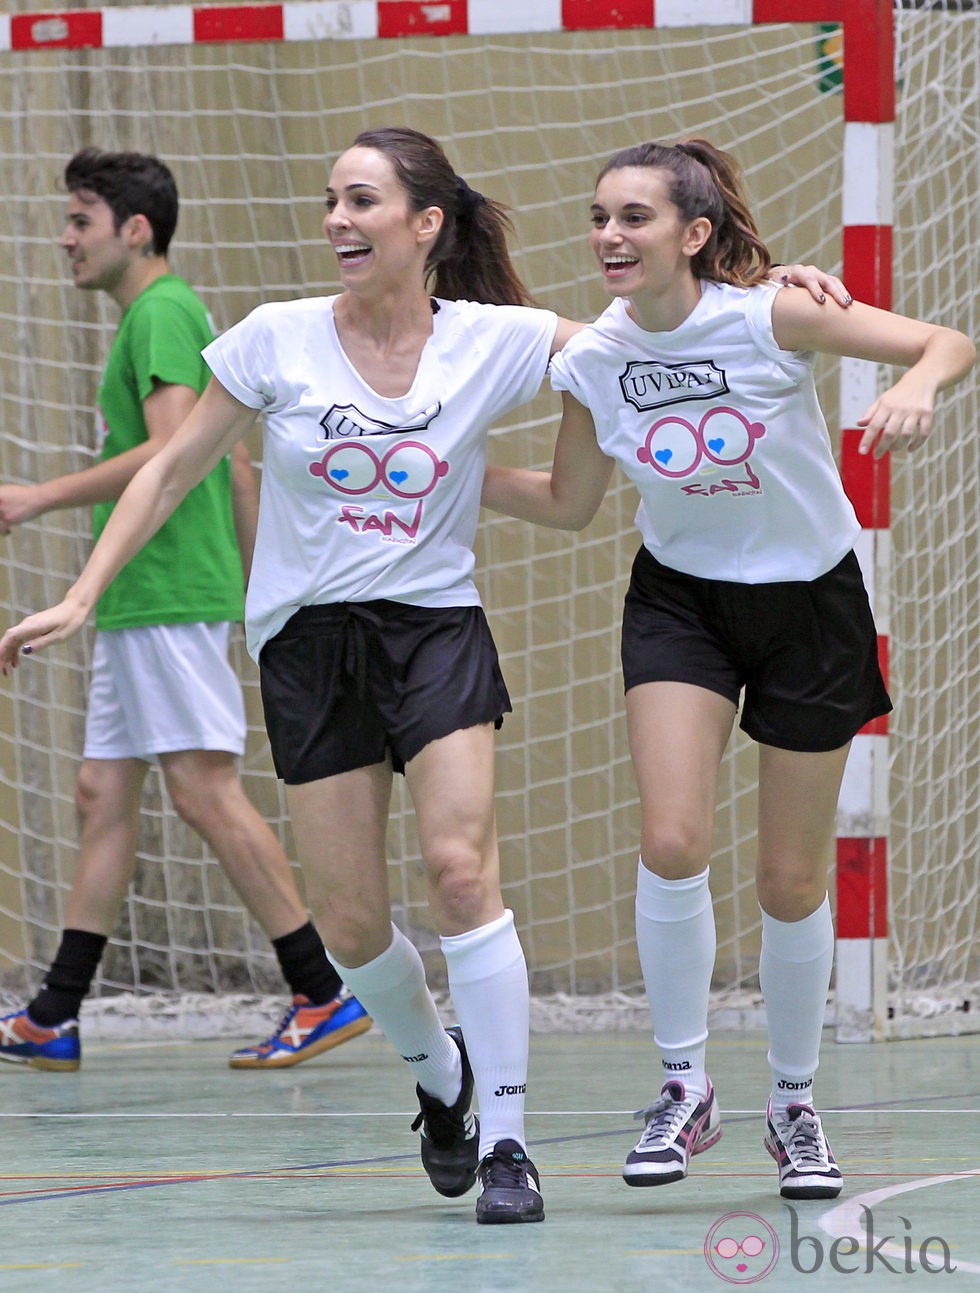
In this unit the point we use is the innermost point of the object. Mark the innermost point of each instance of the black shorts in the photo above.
(345, 685)
(805, 652)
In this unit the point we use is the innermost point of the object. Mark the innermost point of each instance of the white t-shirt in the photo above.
(721, 433)
(365, 497)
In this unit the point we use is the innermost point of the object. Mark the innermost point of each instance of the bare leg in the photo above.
(107, 798)
(677, 735)
(452, 783)
(797, 804)
(207, 794)
(339, 825)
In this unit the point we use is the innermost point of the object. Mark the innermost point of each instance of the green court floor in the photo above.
(156, 1169)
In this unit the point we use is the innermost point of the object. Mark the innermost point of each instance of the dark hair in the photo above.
(706, 182)
(129, 184)
(470, 260)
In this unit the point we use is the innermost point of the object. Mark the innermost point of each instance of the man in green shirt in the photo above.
(162, 687)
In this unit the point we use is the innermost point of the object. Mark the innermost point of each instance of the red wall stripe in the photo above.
(868, 263)
(869, 61)
(80, 29)
(801, 11)
(862, 888)
(238, 22)
(869, 48)
(422, 18)
(867, 480)
(593, 15)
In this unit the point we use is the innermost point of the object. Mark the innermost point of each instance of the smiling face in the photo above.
(639, 237)
(369, 221)
(99, 254)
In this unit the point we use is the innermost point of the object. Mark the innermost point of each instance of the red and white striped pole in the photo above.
(862, 819)
(869, 113)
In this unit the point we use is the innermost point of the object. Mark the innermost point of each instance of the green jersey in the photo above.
(191, 570)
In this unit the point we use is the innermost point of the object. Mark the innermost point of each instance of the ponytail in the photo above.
(705, 182)
(475, 264)
(470, 259)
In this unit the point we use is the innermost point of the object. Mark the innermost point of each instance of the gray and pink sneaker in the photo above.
(678, 1125)
(807, 1167)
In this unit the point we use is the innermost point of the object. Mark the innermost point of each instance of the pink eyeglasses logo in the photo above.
(408, 470)
(741, 1248)
(675, 448)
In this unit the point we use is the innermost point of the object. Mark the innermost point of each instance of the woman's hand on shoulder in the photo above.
(819, 284)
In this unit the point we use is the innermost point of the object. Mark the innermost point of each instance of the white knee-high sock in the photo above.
(392, 989)
(675, 935)
(489, 987)
(794, 974)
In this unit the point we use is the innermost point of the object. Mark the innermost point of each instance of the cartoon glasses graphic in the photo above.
(744, 1260)
(751, 1246)
(408, 470)
(675, 448)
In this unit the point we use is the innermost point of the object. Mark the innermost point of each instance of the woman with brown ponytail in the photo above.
(697, 380)
(374, 653)
(375, 656)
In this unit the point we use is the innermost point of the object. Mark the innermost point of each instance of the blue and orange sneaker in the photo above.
(22, 1041)
(306, 1030)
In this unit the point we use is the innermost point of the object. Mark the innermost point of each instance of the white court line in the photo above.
(844, 1219)
(387, 1113)
(530, 1113)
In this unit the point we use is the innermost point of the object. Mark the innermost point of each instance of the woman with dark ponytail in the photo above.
(698, 381)
(374, 652)
(375, 655)
(469, 259)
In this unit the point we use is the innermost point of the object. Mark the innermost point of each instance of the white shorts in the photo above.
(163, 688)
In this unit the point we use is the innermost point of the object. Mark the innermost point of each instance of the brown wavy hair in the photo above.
(705, 182)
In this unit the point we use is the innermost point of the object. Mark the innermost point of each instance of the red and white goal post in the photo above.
(856, 123)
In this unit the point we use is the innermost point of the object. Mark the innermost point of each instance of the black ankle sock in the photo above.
(69, 979)
(305, 966)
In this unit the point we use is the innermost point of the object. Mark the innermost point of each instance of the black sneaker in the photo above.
(509, 1186)
(450, 1134)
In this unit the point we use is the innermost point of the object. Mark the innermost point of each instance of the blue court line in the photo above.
(198, 1178)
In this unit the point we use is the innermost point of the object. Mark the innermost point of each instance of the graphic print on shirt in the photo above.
(347, 422)
(649, 384)
(401, 477)
(701, 455)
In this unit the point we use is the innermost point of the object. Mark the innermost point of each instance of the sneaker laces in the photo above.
(663, 1118)
(803, 1138)
(288, 1014)
(504, 1172)
(441, 1123)
(446, 1124)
